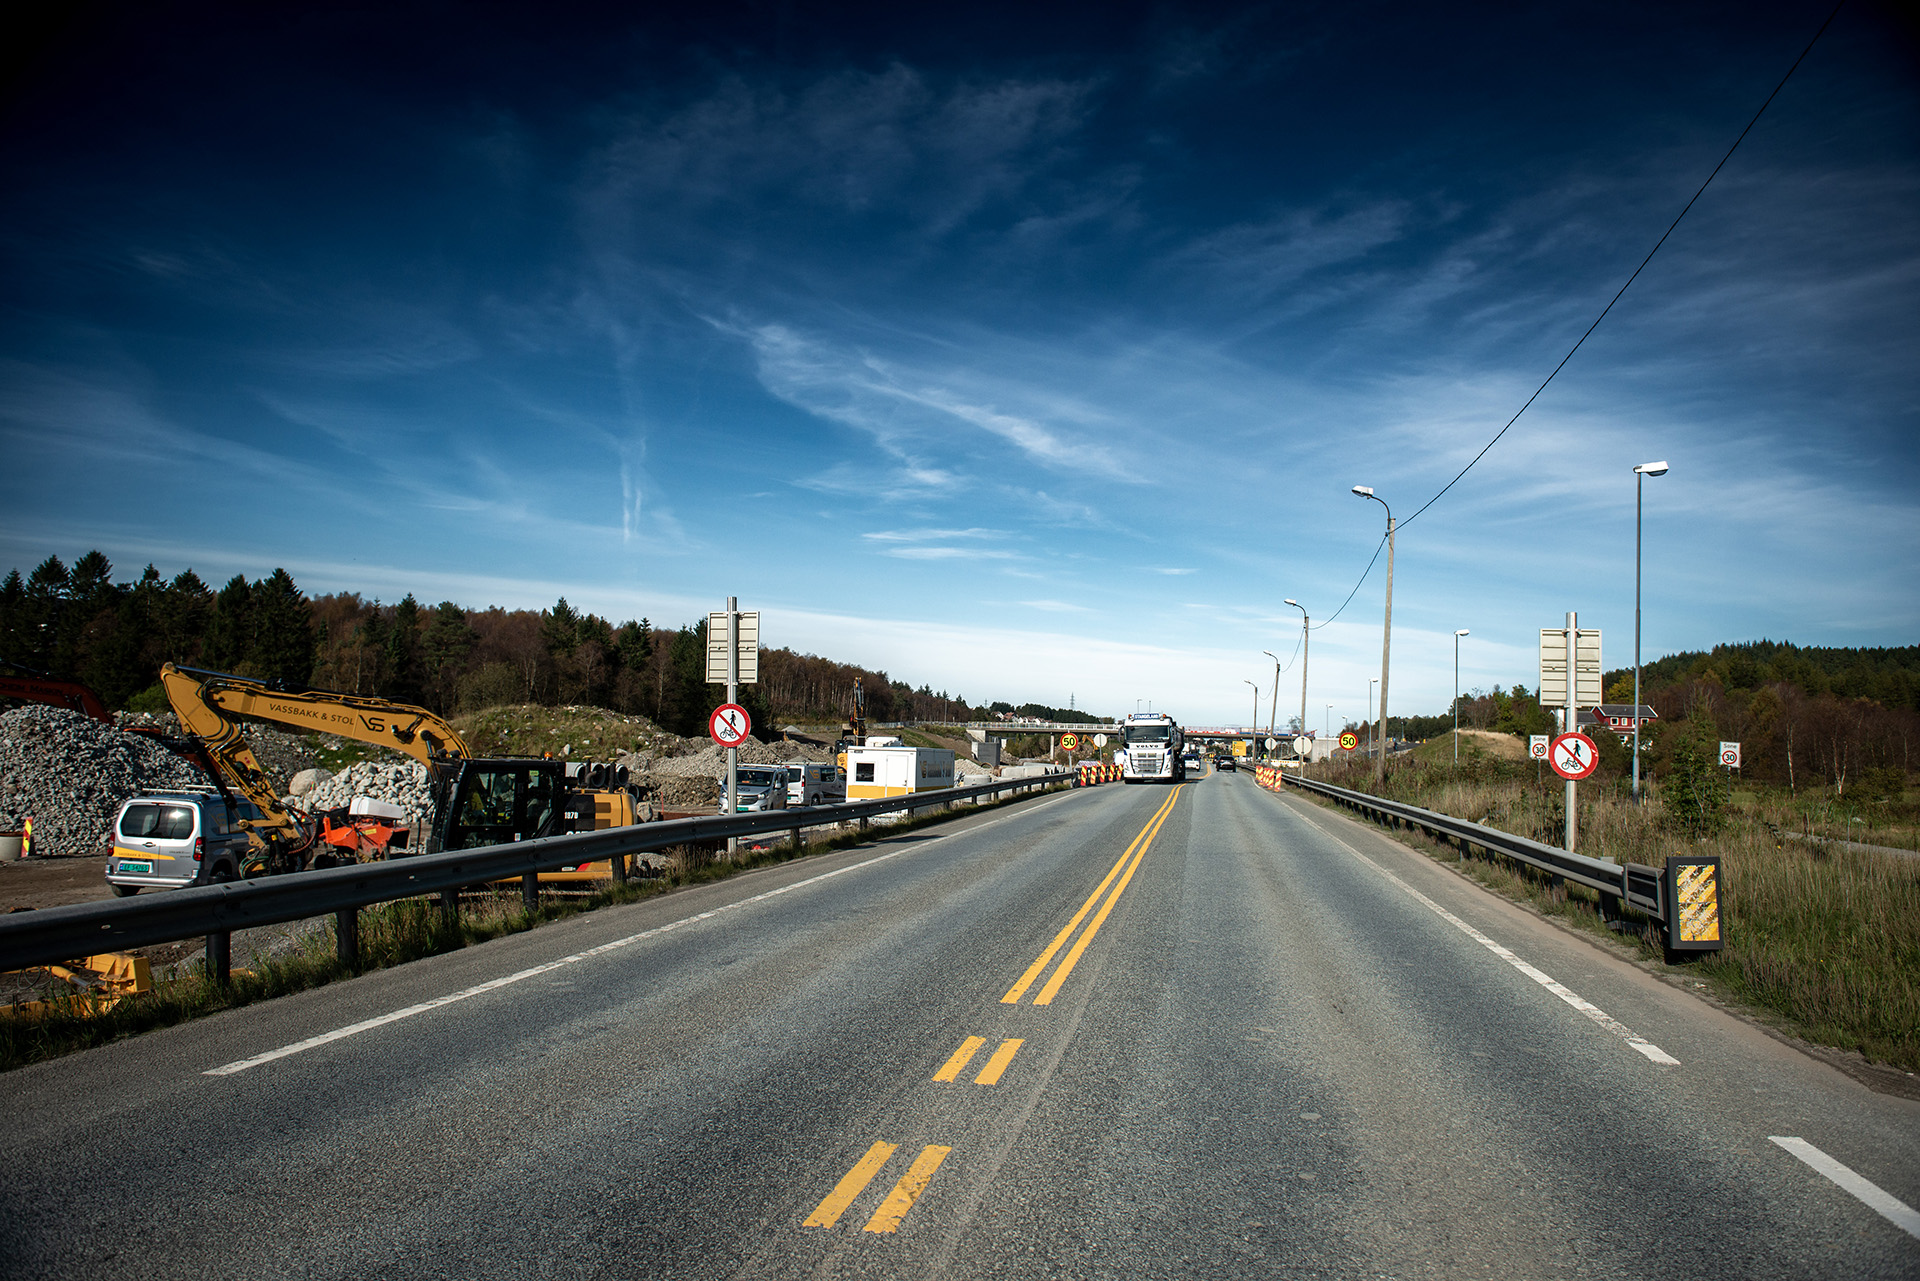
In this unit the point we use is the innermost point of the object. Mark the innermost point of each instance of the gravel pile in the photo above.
(404, 785)
(689, 777)
(70, 772)
(282, 754)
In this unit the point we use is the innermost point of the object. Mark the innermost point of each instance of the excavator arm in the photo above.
(212, 705)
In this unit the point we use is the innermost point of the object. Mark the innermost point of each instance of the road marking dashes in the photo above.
(1002, 1057)
(1872, 1195)
(900, 1200)
(961, 1057)
(851, 1185)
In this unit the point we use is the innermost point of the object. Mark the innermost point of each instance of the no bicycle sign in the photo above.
(729, 725)
(1573, 757)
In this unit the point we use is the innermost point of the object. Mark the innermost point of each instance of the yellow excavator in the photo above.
(477, 800)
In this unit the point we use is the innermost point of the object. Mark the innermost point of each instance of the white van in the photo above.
(815, 783)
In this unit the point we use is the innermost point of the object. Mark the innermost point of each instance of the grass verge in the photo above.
(1821, 940)
(392, 934)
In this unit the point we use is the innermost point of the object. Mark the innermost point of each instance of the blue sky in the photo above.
(1031, 356)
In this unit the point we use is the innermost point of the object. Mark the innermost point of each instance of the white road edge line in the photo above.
(1578, 1002)
(1884, 1203)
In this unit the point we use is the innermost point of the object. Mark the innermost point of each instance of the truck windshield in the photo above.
(1148, 733)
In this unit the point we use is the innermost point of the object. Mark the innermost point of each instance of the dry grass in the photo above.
(1824, 938)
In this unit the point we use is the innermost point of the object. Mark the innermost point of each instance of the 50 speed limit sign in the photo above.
(1573, 757)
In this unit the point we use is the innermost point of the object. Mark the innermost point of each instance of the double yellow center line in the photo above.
(1124, 870)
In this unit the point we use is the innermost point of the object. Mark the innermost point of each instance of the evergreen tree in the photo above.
(444, 648)
(283, 641)
(41, 614)
(403, 661)
(13, 600)
(370, 653)
(185, 607)
(560, 629)
(229, 635)
(1695, 790)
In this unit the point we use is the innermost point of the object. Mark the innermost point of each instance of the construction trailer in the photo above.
(888, 768)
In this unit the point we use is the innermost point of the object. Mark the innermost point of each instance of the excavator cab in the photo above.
(495, 801)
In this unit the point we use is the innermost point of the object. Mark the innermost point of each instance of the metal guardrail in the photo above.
(1683, 898)
(56, 934)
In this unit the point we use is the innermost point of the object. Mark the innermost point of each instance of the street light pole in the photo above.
(1386, 632)
(1254, 724)
(1306, 643)
(1639, 473)
(1273, 703)
(1329, 720)
(1456, 692)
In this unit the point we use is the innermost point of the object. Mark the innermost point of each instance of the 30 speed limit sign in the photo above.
(1573, 757)
(1730, 755)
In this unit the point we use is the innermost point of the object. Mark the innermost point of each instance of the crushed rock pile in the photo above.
(70, 772)
(281, 753)
(690, 777)
(404, 785)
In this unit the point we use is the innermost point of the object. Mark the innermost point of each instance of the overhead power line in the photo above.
(1603, 311)
(1637, 270)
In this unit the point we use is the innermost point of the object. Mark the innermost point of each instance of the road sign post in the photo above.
(1570, 677)
(733, 656)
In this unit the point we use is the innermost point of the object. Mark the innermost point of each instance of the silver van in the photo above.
(762, 787)
(166, 840)
(815, 783)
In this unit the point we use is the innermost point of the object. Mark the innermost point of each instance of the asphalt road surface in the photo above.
(1119, 1032)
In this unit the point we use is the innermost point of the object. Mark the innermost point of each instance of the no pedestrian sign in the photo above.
(729, 725)
(1573, 757)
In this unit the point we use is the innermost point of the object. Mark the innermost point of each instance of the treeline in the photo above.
(1889, 677)
(78, 622)
(1041, 712)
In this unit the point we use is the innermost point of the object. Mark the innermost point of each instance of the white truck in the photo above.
(1153, 749)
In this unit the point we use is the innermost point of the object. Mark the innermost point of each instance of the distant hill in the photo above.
(1890, 677)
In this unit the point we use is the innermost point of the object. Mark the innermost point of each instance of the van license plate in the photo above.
(130, 867)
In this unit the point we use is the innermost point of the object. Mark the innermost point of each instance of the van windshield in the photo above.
(762, 778)
(158, 822)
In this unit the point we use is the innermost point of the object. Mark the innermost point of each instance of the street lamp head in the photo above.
(1290, 601)
(1270, 654)
(1463, 632)
(1652, 469)
(1365, 491)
